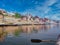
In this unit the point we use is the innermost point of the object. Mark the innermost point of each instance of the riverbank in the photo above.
(18, 24)
(22, 24)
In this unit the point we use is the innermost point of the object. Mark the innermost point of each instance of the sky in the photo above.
(42, 8)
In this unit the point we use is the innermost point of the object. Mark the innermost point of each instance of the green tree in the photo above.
(17, 15)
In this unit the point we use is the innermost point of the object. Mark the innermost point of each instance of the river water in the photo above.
(22, 35)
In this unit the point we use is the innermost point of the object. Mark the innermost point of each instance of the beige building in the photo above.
(36, 19)
(24, 18)
(2, 13)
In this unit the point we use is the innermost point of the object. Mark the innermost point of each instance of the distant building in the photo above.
(1, 16)
(29, 17)
(24, 18)
(10, 13)
(3, 11)
(36, 19)
(41, 21)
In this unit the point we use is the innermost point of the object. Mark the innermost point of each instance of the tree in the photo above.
(17, 15)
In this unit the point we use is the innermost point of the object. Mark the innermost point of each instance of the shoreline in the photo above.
(21, 24)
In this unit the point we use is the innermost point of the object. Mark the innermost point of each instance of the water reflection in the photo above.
(36, 28)
(11, 31)
(2, 34)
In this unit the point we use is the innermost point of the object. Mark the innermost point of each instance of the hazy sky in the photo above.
(42, 8)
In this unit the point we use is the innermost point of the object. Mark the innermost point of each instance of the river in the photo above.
(22, 35)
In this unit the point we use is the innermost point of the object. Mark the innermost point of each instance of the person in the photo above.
(58, 40)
